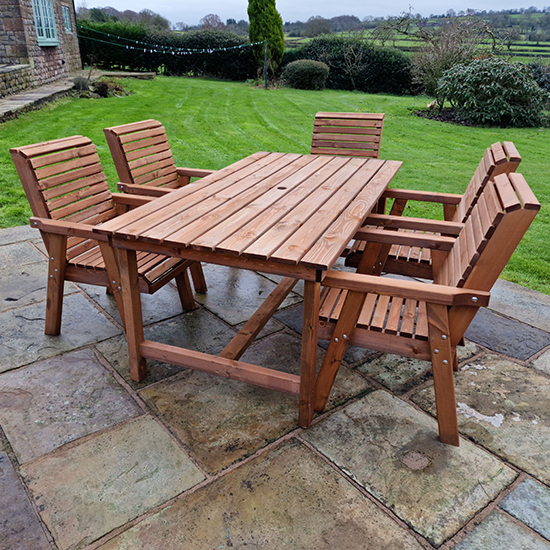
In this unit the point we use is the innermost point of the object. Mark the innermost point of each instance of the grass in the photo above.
(211, 124)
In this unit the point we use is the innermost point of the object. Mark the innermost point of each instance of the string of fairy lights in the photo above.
(144, 47)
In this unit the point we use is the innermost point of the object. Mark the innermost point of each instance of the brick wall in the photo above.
(15, 78)
(13, 45)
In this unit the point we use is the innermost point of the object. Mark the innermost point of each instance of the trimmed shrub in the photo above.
(357, 65)
(306, 74)
(171, 53)
(541, 74)
(494, 92)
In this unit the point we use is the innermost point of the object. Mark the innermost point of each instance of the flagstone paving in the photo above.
(90, 459)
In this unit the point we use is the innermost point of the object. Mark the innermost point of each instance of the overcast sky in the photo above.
(291, 10)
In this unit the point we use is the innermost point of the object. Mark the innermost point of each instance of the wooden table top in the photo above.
(299, 210)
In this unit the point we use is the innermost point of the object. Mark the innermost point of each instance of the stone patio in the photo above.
(182, 460)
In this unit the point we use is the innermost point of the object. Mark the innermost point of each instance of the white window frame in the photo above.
(44, 19)
(67, 25)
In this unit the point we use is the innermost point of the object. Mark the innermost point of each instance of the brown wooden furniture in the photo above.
(420, 320)
(143, 159)
(413, 260)
(347, 134)
(69, 196)
(286, 214)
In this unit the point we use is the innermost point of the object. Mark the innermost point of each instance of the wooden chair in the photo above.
(347, 134)
(143, 159)
(415, 261)
(68, 194)
(421, 320)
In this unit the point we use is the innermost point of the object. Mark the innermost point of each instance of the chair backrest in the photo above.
(499, 219)
(142, 154)
(64, 180)
(347, 134)
(497, 159)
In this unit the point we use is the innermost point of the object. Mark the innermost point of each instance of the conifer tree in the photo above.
(266, 24)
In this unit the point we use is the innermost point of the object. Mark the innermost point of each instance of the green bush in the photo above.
(494, 92)
(141, 49)
(357, 65)
(541, 74)
(305, 74)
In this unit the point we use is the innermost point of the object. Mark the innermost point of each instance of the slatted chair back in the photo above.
(347, 134)
(142, 154)
(496, 224)
(64, 180)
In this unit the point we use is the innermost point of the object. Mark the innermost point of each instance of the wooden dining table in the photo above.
(284, 214)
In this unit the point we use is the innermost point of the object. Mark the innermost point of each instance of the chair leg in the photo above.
(57, 249)
(185, 292)
(197, 274)
(442, 366)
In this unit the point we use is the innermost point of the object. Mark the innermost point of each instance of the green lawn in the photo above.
(211, 124)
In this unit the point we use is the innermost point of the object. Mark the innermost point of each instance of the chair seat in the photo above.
(385, 314)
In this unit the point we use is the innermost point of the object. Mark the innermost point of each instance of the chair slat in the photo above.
(421, 329)
(394, 316)
(408, 319)
(366, 313)
(381, 311)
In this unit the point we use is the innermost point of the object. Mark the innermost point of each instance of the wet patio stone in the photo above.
(222, 421)
(50, 403)
(499, 531)
(504, 407)
(23, 339)
(20, 527)
(392, 450)
(530, 503)
(18, 234)
(542, 362)
(400, 374)
(520, 303)
(506, 336)
(235, 294)
(30, 286)
(86, 490)
(287, 499)
(197, 330)
(19, 254)
(163, 304)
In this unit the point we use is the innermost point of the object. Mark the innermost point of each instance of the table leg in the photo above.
(308, 366)
(133, 324)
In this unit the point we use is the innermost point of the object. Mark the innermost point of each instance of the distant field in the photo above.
(211, 124)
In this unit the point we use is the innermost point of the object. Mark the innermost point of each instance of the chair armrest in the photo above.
(417, 224)
(433, 242)
(70, 229)
(424, 196)
(194, 172)
(432, 293)
(130, 199)
(142, 190)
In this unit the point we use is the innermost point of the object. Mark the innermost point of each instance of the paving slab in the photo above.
(222, 421)
(23, 339)
(19, 254)
(499, 531)
(197, 330)
(235, 294)
(17, 234)
(165, 303)
(392, 450)
(400, 374)
(20, 528)
(530, 503)
(542, 362)
(506, 336)
(520, 303)
(22, 286)
(52, 402)
(287, 499)
(292, 317)
(86, 490)
(505, 407)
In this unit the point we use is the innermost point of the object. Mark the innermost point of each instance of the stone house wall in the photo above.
(19, 44)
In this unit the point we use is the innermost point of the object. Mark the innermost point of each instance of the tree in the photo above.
(211, 21)
(266, 24)
(316, 26)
